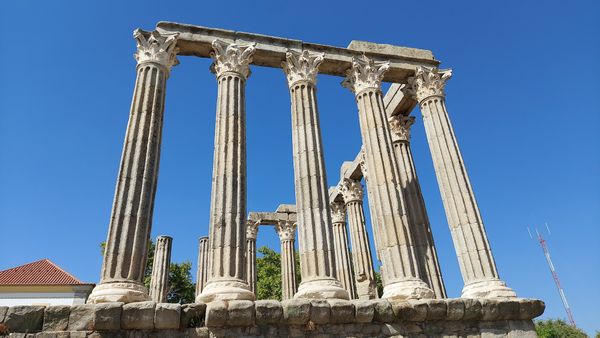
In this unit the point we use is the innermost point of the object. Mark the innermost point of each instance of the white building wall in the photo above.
(42, 298)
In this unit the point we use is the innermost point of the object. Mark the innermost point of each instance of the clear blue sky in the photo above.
(523, 101)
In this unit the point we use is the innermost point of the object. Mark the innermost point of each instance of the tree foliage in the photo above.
(557, 328)
(268, 273)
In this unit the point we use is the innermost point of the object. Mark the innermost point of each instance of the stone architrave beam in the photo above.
(270, 50)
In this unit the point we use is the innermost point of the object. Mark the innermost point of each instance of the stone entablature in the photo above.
(268, 318)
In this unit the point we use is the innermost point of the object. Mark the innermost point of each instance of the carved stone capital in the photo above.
(231, 57)
(286, 230)
(427, 82)
(302, 66)
(351, 190)
(251, 229)
(156, 48)
(400, 127)
(338, 212)
(365, 73)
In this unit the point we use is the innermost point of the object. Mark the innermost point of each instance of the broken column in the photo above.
(319, 278)
(131, 217)
(395, 241)
(287, 232)
(468, 233)
(227, 230)
(364, 275)
(417, 213)
(159, 281)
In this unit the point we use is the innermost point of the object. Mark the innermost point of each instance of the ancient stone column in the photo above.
(340, 245)
(317, 262)
(201, 271)
(468, 233)
(131, 218)
(251, 233)
(159, 281)
(364, 274)
(417, 213)
(287, 231)
(395, 243)
(227, 236)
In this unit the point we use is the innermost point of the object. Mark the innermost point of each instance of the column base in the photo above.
(126, 292)
(322, 289)
(487, 288)
(407, 289)
(225, 290)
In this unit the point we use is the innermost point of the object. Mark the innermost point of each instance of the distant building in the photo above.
(41, 283)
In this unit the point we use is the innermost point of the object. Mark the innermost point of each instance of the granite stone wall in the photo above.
(459, 317)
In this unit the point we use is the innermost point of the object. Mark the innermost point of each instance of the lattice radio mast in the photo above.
(554, 274)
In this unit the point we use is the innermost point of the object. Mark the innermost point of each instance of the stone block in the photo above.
(107, 316)
(508, 309)
(192, 315)
(472, 309)
(167, 316)
(521, 329)
(197, 332)
(24, 318)
(268, 311)
(383, 311)
(538, 308)
(216, 314)
(296, 311)
(3, 311)
(78, 334)
(490, 309)
(455, 309)
(81, 317)
(411, 311)
(342, 311)
(56, 318)
(240, 313)
(57, 334)
(363, 311)
(436, 309)
(138, 316)
(320, 311)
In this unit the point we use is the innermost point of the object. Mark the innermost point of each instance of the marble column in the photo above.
(287, 231)
(159, 281)
(417, 213)
(340, 245)
(227, 234)
(395, 243)
(468, 233)
(251, 234)
(317, 261)
(201, 271)
(364, 274)
(131, 218)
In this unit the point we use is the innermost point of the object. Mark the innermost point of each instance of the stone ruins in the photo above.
(337, 295)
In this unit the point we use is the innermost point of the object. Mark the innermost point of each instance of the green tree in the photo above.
(557, 328)
(181, 287)
(379, 283)
(268, 273)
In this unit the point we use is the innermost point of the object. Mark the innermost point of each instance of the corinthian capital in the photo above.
(231, 57)
(400, 127)
(302, 66)
(351, 190)
(338, 212)
(427, 82)
(365, 73)
(251, 229)
(157, 48)
(286, 230)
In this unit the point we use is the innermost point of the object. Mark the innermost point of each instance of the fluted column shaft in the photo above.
(417, 212)
(131, 218)
(251, 234)
(286, 232)
(340, 244)
(364, 274)
(318, 266)
(159, 281)
(468, 232)
(201, 271)
(396, 247)
(227, 233)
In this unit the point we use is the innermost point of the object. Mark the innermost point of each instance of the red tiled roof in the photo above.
(42, 272)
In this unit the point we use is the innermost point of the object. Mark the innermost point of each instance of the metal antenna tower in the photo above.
(554, 274)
